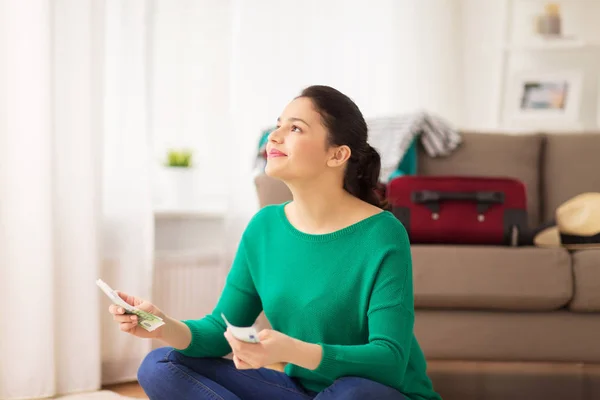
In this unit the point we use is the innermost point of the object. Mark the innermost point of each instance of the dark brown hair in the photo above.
(347, 126)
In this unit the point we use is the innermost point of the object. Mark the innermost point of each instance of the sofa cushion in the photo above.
(570, 167)
(510, 336)
(491, 277)
(586, 270)
(483, 154)
(271, 191)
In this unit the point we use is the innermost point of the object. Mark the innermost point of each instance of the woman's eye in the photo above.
(296, 129)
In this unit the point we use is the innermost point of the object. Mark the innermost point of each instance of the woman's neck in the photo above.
(318, 207)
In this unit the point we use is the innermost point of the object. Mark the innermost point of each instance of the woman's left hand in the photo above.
(274, 348)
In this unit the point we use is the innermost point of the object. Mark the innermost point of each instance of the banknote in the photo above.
(246, 334)
(146, 320)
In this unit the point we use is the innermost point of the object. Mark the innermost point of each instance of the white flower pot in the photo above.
(176, 189)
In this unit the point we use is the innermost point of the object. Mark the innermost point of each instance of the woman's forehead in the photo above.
(301, 108)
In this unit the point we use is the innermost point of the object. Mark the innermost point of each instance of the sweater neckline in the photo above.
(324, 237)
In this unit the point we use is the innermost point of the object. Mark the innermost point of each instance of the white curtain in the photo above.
(390, 56)
(128, 224)
(49, 208)
(74, 191)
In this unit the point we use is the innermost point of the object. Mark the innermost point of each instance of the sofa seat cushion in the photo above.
(559, 336)
(491, 277)
(586, 270)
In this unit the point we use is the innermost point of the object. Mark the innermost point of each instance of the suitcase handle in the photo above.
(432, 199)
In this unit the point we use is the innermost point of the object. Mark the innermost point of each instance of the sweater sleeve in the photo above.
(239, 302)
(390, 320)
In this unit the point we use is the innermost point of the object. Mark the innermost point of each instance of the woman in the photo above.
(331, 270)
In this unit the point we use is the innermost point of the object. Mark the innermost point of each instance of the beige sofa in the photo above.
(501, 322)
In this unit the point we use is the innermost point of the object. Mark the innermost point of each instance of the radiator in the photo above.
(187, 285)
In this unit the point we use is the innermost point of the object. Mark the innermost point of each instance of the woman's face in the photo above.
(298, 148)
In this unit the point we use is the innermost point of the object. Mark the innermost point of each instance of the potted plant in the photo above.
(177, 186)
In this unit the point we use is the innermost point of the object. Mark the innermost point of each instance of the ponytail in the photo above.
(362, 176)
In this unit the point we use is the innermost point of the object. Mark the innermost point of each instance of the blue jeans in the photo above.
(166, 374)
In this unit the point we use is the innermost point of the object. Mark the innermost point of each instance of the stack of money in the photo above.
(146, 320)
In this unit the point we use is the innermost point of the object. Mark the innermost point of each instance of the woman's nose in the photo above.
(275, 135)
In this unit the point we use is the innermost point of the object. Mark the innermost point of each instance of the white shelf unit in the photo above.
(568, 46)
(553, 45)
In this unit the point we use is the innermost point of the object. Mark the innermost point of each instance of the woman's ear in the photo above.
(339, 156)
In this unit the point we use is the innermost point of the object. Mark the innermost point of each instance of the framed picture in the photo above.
(543, 99)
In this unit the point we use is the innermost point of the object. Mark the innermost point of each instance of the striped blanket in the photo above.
(392, 136)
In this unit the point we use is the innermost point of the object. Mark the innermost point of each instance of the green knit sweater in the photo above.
(350, 291)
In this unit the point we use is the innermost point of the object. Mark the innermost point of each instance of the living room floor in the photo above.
(130, 389)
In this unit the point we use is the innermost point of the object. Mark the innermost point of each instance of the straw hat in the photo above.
(577, 224)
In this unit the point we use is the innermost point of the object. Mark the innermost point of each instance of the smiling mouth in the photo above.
(276, 153)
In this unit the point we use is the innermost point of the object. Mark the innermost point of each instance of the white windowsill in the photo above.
(206, 213)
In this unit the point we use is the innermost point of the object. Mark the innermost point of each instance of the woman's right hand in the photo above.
(129, 322)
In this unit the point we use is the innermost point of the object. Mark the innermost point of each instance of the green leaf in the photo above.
(179, 158)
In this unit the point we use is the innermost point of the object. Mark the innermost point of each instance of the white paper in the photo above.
(245, 334)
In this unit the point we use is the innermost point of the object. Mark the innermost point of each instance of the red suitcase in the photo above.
(459, 210)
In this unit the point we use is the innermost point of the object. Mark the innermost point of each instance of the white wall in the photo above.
(190, 83)
(436, 79)
(482, 36)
